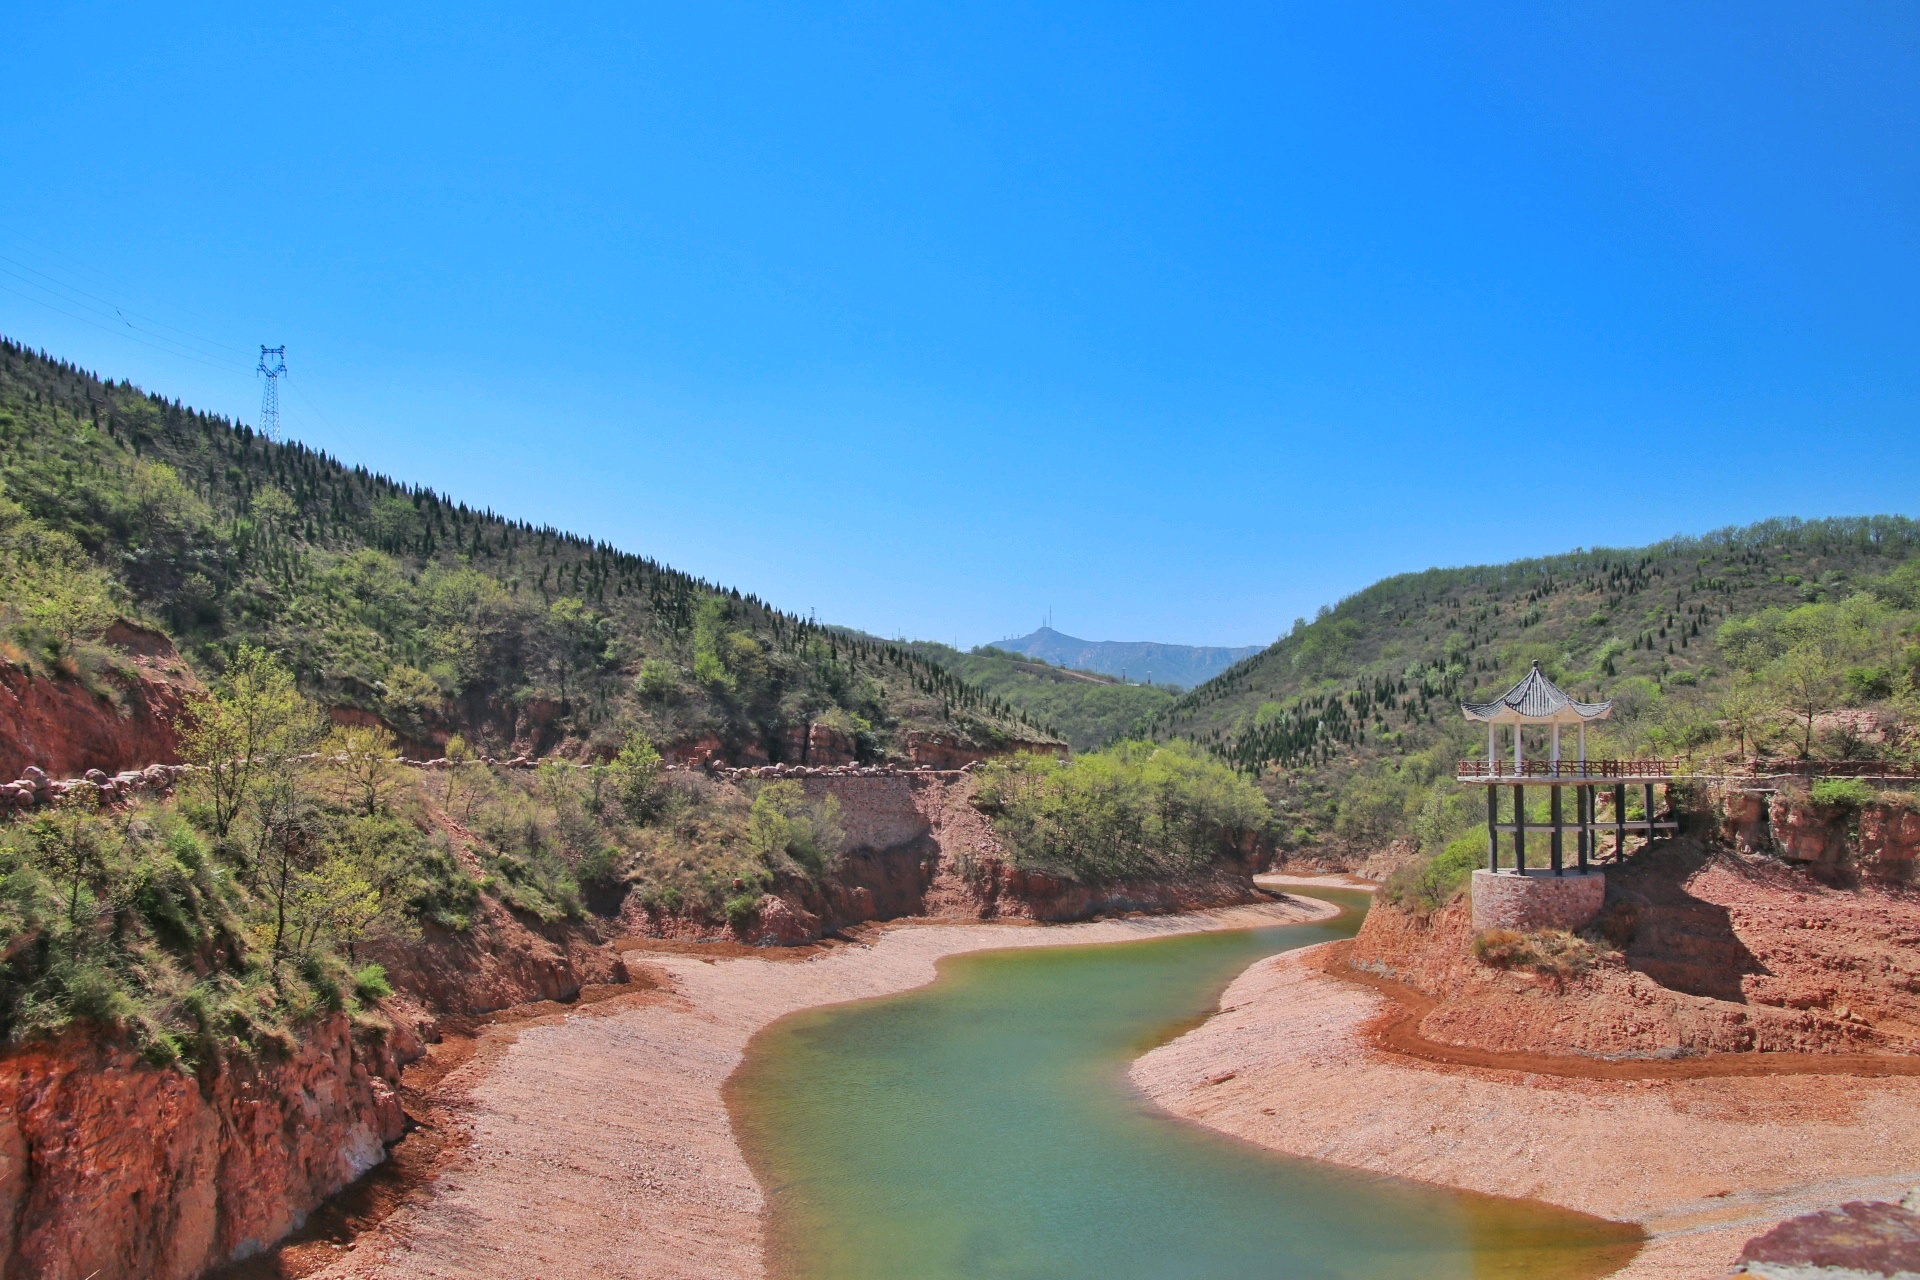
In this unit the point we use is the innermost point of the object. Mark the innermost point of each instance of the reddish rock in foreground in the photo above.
(1858, 1240)
(112, 1167)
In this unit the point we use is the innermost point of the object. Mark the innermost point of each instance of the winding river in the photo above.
(982, 1128)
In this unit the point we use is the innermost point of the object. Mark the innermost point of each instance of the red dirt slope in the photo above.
(1723, 953)
(125, 722)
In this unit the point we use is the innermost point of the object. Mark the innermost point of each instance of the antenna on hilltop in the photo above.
(270, 396)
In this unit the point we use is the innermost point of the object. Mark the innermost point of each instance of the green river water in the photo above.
(983, 1127)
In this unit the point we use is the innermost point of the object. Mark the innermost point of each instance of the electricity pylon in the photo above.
(270, 397)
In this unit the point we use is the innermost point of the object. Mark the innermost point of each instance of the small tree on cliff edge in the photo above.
(635, 774)
(253, 724)
(363, 765)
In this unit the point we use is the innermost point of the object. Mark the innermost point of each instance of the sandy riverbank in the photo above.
(598, 1143)
(1703, 1164)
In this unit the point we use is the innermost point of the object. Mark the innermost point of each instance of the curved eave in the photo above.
(1501, 713)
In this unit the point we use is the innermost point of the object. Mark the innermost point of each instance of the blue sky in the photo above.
(1177, 321)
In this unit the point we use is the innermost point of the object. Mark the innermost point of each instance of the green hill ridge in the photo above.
(1352, 720)
(1089, 709)
(434, 616)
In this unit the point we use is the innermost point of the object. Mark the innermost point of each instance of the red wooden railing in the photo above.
(1574, 769)
(1832, 769)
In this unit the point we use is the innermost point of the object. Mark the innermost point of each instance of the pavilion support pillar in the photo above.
(1555, 849)
(1649, 814)
(1519, 828)
(1619, 822)
(1583, 803)
(1493, 828)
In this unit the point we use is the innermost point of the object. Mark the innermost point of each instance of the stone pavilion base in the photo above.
(1537, 899)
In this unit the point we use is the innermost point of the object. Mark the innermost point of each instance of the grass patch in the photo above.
(1552, 952)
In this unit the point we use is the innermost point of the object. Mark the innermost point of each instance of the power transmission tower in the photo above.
(270, 397)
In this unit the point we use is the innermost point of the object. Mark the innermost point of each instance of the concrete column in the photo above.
(1493, 828)
(1519, 828)
(1555, 847)
(1583, 803)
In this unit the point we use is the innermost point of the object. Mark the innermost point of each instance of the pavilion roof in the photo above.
(1536, 700)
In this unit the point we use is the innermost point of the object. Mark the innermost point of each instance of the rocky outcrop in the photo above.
(123, 719)
(499, 961)
(1887, 841)
(818, 744)
(110, 1167)
(1002, 891)
(1862, 1240)
(1878, 840)
(1363, 861)
(916, 846)
(823, 746)
(1743, 820)
(428, 743)
(937, 751)
(34, 787)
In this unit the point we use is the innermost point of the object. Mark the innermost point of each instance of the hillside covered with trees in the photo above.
(1746, 641)
(1086, 708)
(413, 607)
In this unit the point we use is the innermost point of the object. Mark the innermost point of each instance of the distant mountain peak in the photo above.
(1143, 660)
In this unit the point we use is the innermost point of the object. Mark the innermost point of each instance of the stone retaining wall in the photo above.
(1537, 900)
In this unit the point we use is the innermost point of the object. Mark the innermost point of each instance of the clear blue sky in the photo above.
(1177, 320)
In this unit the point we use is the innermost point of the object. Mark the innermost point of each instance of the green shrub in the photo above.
(601, 867)
(664, 898)
(1843, 793)
(1429, 884)
(635, 775)
(441, 893)
(162, 1048)
(742, 909)
(92, 992)
(657, 681)
(370, 984)
(538, 886)
(783, 823)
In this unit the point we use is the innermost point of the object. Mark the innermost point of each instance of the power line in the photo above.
(300, 394)
(76, 267)
(106, 321)
(66, 300)
(122, 314)
(118, 330)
